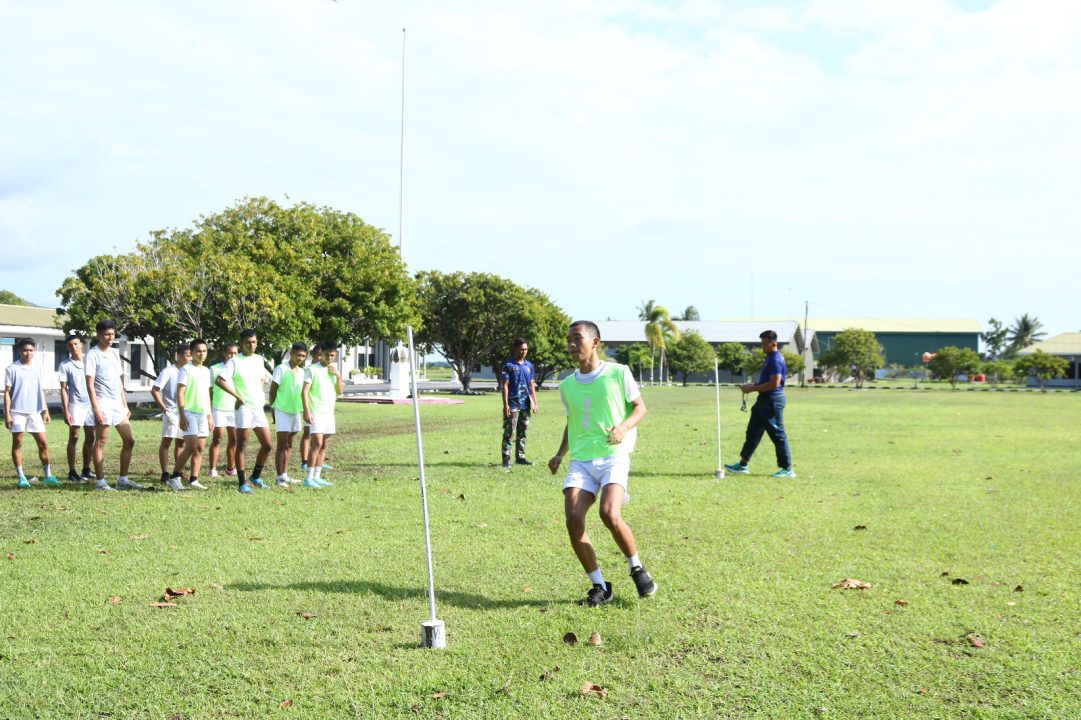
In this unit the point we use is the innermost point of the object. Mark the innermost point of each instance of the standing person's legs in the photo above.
(509, 423)
(756, 427)
(522, 427)
(262, 434)
(305, 444)
(101, 438)
(163, 456)
(230, 451)
(124, 431)
(73, 448)
(88, 450)
(281, 452)
(215, 445)
(576, 504)
(775, 429)
(17, 451)
(43, 452)
(316, 453)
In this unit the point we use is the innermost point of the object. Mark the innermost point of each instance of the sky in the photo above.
(872, 159)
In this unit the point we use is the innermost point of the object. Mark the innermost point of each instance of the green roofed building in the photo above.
(1064, 345)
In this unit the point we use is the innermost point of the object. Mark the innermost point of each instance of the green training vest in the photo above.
(592, 410)
(288, 398)
(197, 390)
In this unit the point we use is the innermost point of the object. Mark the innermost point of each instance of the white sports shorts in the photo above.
(593, 475)
(114, 414)
(170, 424)
(197, 425)
(27, 422)
(322, 424)
(288, 422)
(248, 418)
(82, 416)
(224, 418)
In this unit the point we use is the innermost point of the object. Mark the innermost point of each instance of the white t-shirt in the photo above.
(166, 382)
(108, 374)
(73, 374)
(25, 383)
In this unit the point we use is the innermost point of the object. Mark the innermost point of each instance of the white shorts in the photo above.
(82, 416)
(170, 425)
(27, 422)
(114, 414)
(197, 425)
(288, 422)
(224, 418)
(322, 423)
(249, 417)
(593, 475)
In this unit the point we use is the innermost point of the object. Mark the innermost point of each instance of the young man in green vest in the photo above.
(243, 377)
(604, 406)
(196, 416)
(286, 384)
(224, 411)
(322, 386)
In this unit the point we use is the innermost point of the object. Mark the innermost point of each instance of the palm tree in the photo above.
(1024, 332)
(645, 309)
(691, 313)
(659, 330)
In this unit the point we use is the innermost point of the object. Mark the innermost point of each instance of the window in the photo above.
(60, 353)
(136, 361)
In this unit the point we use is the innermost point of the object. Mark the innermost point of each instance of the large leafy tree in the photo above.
(1024, 332)
(856, 352)
(544, 326)
(690, 354)
(635, 356)
(733, 357)
(951, 361)
(994, 339)
(1043, 366)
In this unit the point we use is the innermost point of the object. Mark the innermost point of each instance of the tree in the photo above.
(1024, 332)
(9, 298)
(690, 313)
(994, 339)
(634, 356)
(793, 361)
(951, 361)
(733, 357)
(660, 330)
(1042, 366)
(997, 369)
(544, 325)
(854, 351)
(690, 354)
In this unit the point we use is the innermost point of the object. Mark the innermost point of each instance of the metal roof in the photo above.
(889, 325)
(1061, 344)
(28, 316)
(714, 331)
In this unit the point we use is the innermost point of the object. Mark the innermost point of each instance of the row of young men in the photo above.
(230, 396)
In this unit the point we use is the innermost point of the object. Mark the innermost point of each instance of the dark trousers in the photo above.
(516, 422)
(767, 416)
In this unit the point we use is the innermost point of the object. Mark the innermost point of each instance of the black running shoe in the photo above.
(74, 477)
(523, 461)
(643, 582)
(598, 595)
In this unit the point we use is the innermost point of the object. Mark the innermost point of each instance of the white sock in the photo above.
(311, 473)
(48, 470)
(596, 578)
(318, 471)
(122, 479)
(100, 482)
(633, 561)
(19, 470)
(282, 477)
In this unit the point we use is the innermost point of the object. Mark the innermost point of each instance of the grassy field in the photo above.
(980, 487)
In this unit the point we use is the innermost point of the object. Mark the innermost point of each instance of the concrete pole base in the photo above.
(433, 634)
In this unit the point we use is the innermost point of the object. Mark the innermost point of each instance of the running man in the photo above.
(164, 393)
(243, 377)
(75, 403)
(109, 399)
(519, 401)
(224, 410)
(767, 413)
(604, 406)
(25, 411)
(196, 417)
(286, 385)
(322, 386)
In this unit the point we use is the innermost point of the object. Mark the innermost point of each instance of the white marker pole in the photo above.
(433, 633)
(717, 386)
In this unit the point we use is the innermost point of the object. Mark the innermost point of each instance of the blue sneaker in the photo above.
(784, 473)
(51, 480)
(328, 466)
(258, 482)
(323, 483)
(23, 483)
(245, 489)
(312, 484)
(737, 469)
(304, 466)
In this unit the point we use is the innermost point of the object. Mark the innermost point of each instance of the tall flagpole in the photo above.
(401, 163)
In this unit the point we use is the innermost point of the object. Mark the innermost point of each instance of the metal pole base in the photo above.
(433, 634)
(719, 474)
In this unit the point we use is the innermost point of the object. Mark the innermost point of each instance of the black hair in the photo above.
(328, 346)
(768, 335)
(195, 342)
(589, 325)
(69, 338)
(298, 346)
(105, 325)
(23, 342)
(520, 341)
(247, 333)
(230, 344)
(316, 348)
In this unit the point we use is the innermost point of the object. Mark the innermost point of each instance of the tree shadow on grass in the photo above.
(471, 601)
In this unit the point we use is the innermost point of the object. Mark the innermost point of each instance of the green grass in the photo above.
(980, 486)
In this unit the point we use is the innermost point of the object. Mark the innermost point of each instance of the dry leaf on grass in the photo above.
(852, 584)
(959, 581)
(440, 695)
(307, 615)
(178, 716)
(593, 689)
(172, 594)
(138, 537)
(284, 704)
(10, 556)
(162, 604)
(570, 638)
(974, 640)
(115, 599)
(902, 603)
(255, 538)
(1019, 588)
(860, 527)
(595, 639)
(104, 551)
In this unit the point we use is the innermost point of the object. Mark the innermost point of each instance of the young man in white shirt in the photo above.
(164, 393)
(224, 412)
(286, 385)
(109, 399)
(75, 403)
(244, 377)
(322, 386)
(196, 416)
(25, 411)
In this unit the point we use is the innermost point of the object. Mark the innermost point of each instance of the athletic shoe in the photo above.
(328, 466)
(33, 480)
(87, 475)
(22, 483)
(597, 595)
(258, 482)
(175, 484)
(196, 485)
(312, 484)
(230, 472)
(737, 469)
(103, 485)
(125, 484)
(245, 489)
(293, 480)
(214, 473)
(51, 480)
(506, 464)
(324, 483)
(523, 461)
(784, 473)
(283, 483)
(643, 582)
(74, 477)
(304, 467)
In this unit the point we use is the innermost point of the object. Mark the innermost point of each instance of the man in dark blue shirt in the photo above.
(767, 414)
(519, 401)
